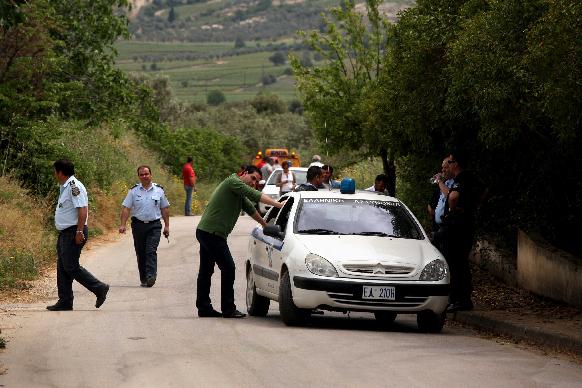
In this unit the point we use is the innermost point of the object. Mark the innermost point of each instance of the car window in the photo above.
(358, 217)
(274, 177)
(283, 218)
(272, 215)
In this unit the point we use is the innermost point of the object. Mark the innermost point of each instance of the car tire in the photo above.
(430, 322)
(291, 314)
(385, 317)
(257, 305)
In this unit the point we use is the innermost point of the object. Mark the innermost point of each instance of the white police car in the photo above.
(328, 250)
(270, 185)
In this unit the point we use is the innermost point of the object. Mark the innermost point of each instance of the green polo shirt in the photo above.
(225, 204)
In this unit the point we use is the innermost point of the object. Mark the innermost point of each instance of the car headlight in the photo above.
(317, 265)
(435, 270)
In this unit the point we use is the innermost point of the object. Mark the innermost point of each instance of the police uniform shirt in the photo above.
(73, 195)
(145, 204)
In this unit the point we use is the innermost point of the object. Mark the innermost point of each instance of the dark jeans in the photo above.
(188, 203)
(455, 244)
(68, 268)
(146, 238)
(214, 250)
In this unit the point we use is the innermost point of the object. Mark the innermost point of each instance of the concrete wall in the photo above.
(494, 260)
(547, 271)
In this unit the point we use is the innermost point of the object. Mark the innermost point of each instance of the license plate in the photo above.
(379, 293)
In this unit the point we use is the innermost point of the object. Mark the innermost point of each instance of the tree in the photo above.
(172, 15)
(215, 98)
(239, 43)
(336, 94)
(268, 104)
(278, 58)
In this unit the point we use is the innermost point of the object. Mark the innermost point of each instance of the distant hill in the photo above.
(227, 20)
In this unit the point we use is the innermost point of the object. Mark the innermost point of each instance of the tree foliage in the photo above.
(336, 93)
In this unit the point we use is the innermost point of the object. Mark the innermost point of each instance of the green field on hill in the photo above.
(239, 77)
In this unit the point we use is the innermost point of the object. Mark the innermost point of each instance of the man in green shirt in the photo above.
(220, 216)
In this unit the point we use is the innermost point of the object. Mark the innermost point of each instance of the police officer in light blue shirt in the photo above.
(147, 203)
(71, 216)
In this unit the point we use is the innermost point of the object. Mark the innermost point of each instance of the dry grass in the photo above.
(25, 242)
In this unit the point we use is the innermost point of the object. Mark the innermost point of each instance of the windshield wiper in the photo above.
(380, 234)
(318, 231)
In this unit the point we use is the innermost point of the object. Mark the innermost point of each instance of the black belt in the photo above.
(134, 219)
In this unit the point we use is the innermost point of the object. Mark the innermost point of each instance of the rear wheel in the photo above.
(257, 305)
(430, 322)
(291, 314)
(385, 317)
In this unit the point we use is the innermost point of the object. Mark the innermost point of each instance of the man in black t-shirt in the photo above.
(455, 237)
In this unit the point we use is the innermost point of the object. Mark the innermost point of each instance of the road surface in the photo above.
(151, 337)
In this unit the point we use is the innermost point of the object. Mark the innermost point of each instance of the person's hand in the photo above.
(166, 232)
(281, 204)
(79, 238)
(122, 229)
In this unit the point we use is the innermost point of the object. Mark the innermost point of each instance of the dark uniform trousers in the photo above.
(146, 238)
(69, 269)
(456, 245)
(214, 250)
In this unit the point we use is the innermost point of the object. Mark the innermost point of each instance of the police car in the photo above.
(345, 251)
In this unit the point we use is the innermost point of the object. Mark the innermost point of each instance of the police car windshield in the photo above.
(356, 217)
(301, 177)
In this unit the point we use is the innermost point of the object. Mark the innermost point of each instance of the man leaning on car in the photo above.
(217, 222)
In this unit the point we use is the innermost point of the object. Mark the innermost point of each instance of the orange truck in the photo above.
(282, 154)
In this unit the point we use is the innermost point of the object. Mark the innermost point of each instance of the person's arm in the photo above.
(271, 202)
(453, 200)
(81, 219)
(123, 218)
(257, 217)
(166, 217)
(443, 188)
(279, 181)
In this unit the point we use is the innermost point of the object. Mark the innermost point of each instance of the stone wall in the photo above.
(547, 271)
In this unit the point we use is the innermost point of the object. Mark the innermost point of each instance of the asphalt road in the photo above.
(151, 337)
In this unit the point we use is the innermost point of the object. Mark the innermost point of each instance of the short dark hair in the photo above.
(313, 172)
(251, 169)
(189, 159)
(65, 166)
(381, 177)
(327, 167)
(286, 163)
(144, 166)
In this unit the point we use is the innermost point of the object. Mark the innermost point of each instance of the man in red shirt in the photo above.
(189, 185)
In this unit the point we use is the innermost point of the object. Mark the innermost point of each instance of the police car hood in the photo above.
(370, 249)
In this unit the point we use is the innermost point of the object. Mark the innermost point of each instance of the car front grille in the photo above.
(406, 301)
(378, 269)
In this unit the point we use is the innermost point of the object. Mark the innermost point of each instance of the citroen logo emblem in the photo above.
(378, 270)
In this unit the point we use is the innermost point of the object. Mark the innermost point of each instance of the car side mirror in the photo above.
(273, 231)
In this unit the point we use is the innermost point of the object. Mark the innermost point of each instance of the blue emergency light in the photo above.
(348, 186)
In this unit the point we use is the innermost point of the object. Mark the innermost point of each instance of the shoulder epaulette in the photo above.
(160, 186)
(134, 186)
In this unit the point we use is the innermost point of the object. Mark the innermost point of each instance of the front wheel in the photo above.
(257, 305)
(291, 314)
(430, 322)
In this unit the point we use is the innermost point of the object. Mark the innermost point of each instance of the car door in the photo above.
(276, 252)
(261, 257)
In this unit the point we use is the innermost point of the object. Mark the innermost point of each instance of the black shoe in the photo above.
(234, 314)
(151, 281)
(59, 307)
(101, 296)
(460, 306)
(209, 313)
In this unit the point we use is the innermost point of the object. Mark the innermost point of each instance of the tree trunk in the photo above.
(390, 171)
